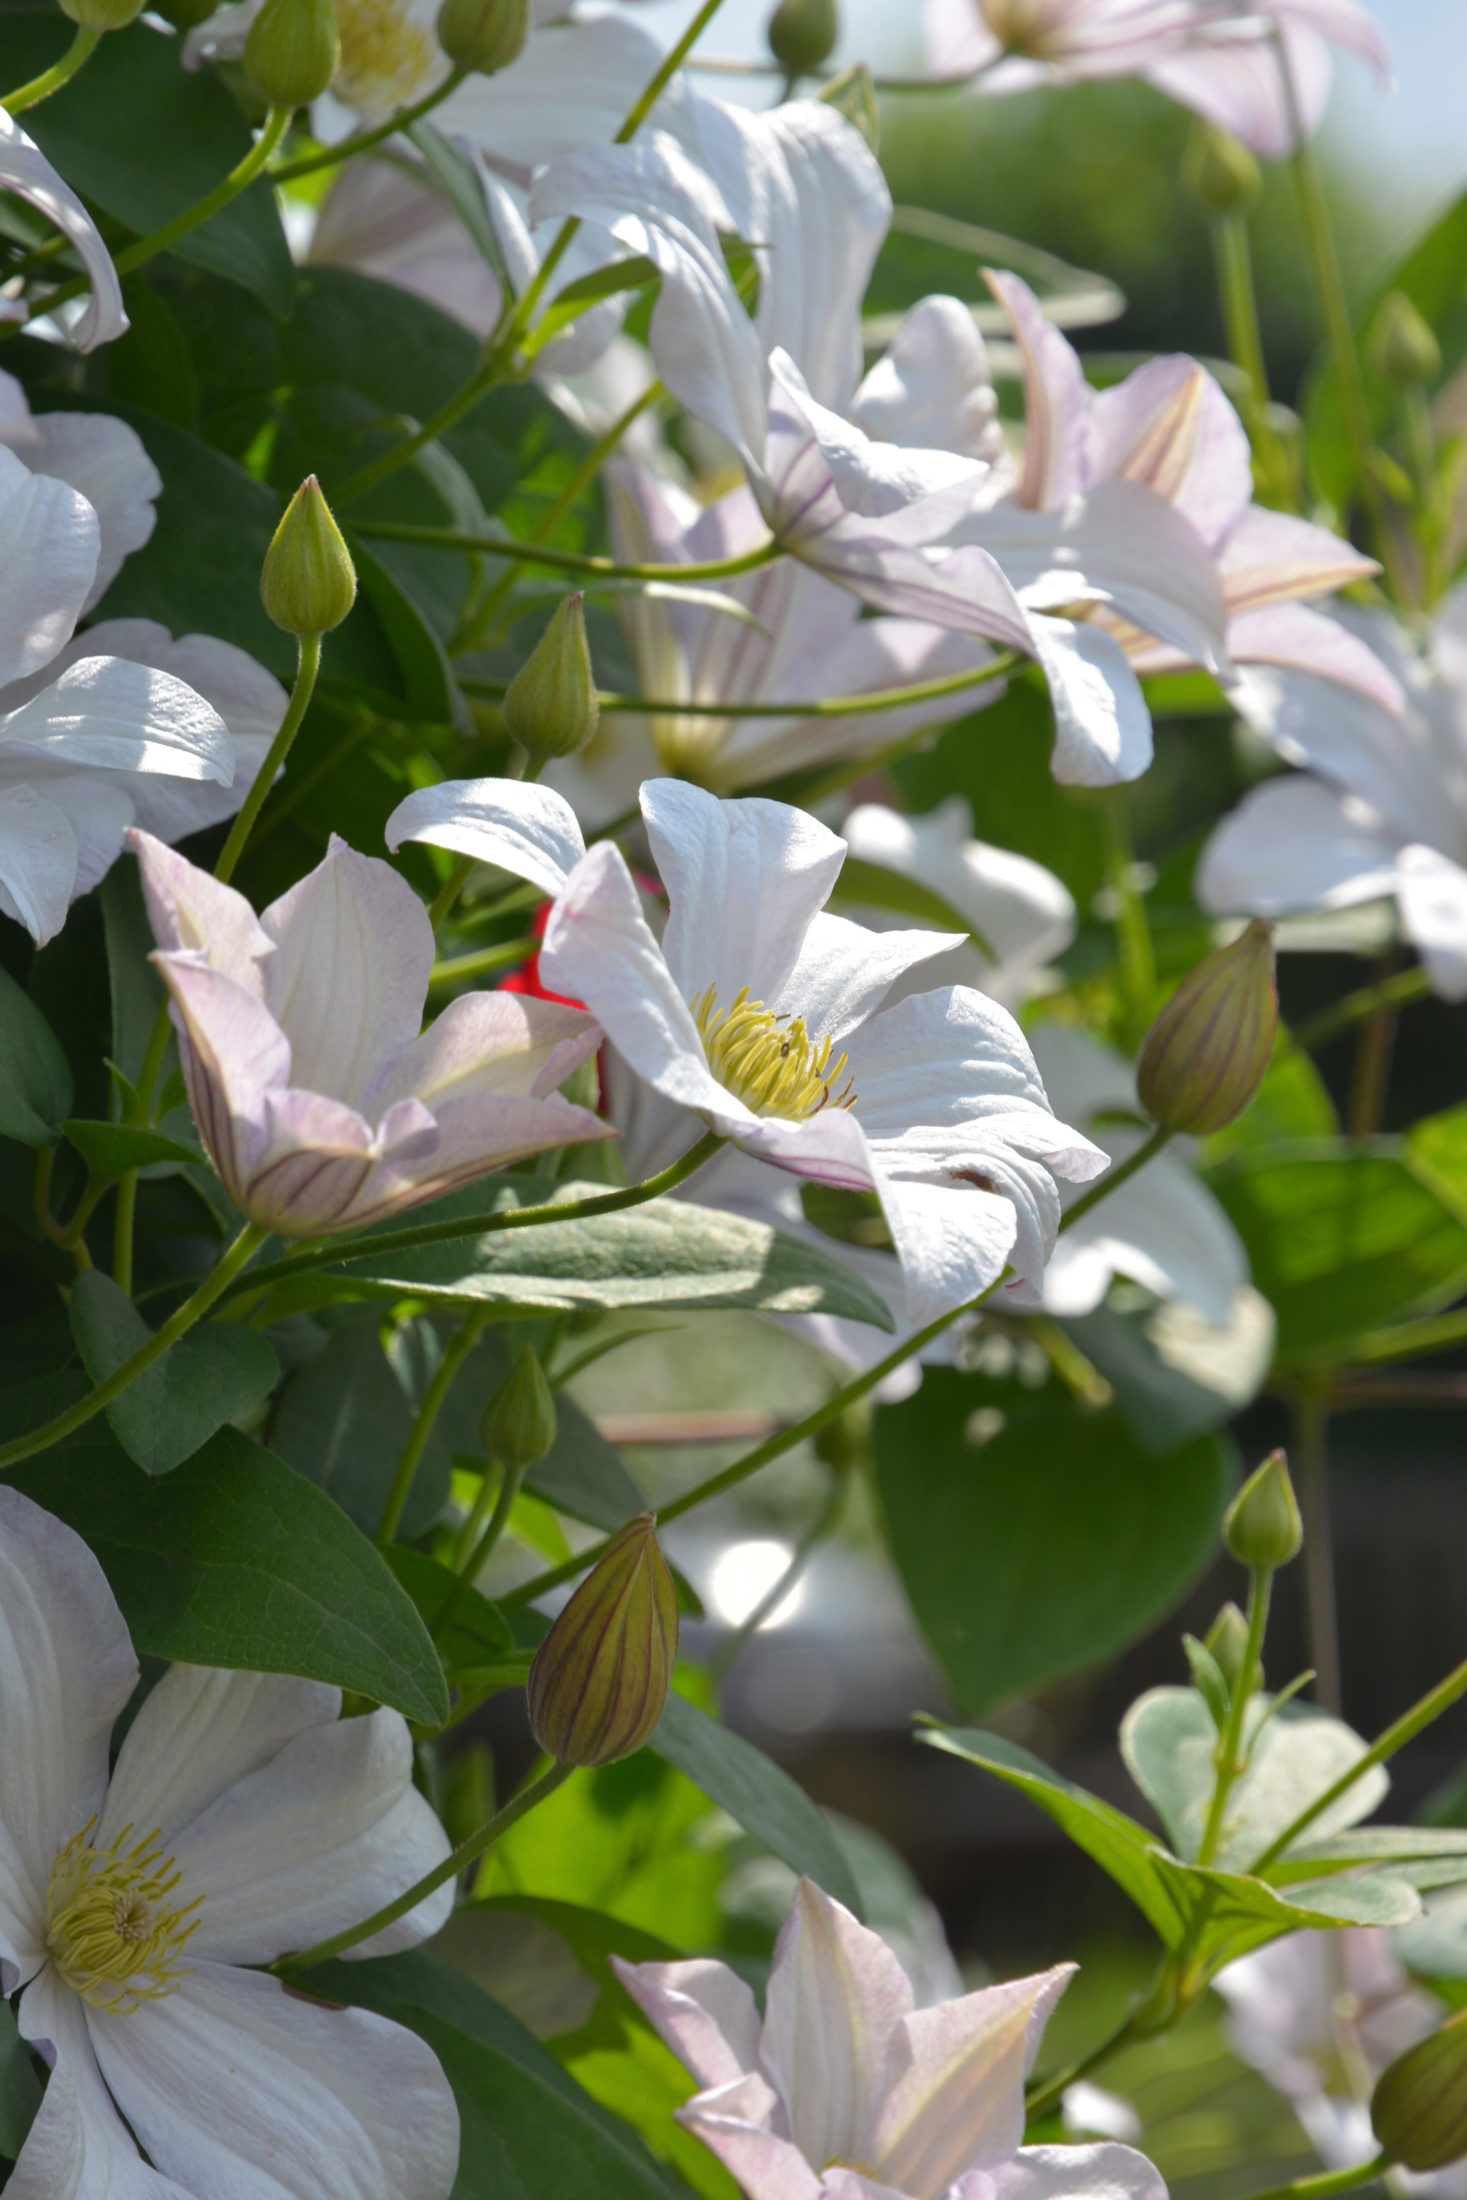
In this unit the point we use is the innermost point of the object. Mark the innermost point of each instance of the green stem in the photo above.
(565, 561)
(1133, 930)
(308, 664)
(467, 1852)
(424, 1422)
(1229, 1755)
(389, 1242)
(449, 891)
(1047, 2096)
(1114, 1178)
(308, 164)
(125, 1213)
(81, 49)
(483, 964)
(1408, 1340)
(1397, 992)
(491, 371)
(1234, 258)
(1327, 2182)
(1371, 1075)
(1310, 1452)
(480, 1548)
(193, 1310)
(820, 1527)
(839, 706)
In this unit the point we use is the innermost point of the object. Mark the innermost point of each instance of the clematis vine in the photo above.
(847, 2091)
(761, 1014)
(243, 1818)
(25, 170)
(320, 1105)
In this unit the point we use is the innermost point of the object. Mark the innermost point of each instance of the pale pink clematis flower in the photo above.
(846, 2091)
(25, 170)
(320, 1105)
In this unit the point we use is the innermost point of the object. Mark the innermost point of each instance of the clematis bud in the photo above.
(601, 1676)
(1208, 1051)
(1403, 345)
(519, 1424)
(552, 707)
(853, 94)
(102, 15)
(802, 34)
(1420, 2106)
(483, 35)
(1227, 1639)
(1262, 1524)
(308, 583)
(291, 55)
(1221, 171)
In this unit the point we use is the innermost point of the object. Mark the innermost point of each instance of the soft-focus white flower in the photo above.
(390, 55)
(1383, 808)
(1089, 2108)
(320, 1104)
(25, 170)
(243, 1818)
(762, 1015)
(846, 2091)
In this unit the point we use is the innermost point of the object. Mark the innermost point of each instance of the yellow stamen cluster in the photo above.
(387, 58)
(113, 1933)
(769, 1062)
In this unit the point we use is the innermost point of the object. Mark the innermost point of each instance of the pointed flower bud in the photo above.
(853, 94)
(1227, 1639)
(292, 51)
(519, 1424)
(102, 15)
(1208, 1051)
(1403, 345)
(308, 583)
(601, 1676)
(484, 35)
(552, 707)
(1420, 2105)
(1221, 171)
(802, 34)
(1262, 1524)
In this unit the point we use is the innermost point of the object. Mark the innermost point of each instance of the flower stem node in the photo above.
(519, 1425)
(1227, 1639)
(1262, 1525)
(552, 707)
(600, 1678)
(1403, 344)
(102, 15)
(1221, 171)
(802, 34)
(483, 35)
(308, 583)
(1208, 1051)
(1420, 2106)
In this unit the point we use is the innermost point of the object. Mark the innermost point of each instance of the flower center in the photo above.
(114, 1934)
(769, 1062)
(387, 59)
(1025, 26)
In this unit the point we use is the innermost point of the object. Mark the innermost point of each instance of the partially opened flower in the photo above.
(389, 53)
(25, 170)
(243, 1818)
(762, 1015)
(845, 2090)
(320, 1104)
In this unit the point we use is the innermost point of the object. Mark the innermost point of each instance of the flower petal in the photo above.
(52, 539)
(527, 830)
(1170, 428)
(192, 913)
(234, 1057)
(487, 1044)
(953, 1239)
(733, 2122)
(37, 861)
(932, 387)
(25, 170)
(1272, 557)
(1296, 844)
(1057, 398)
(704, 2011)
(1300, 640)
(78, 2145)
(1396, 766)
(105, 460)
(1102, 2172)
(110, 715)
(471, 1136)
(1233, 78)
(844, 972)
(1432, 892)
(1102, 728)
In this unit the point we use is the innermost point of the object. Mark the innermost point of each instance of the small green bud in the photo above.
(601, 1676)
(102, 15)
(1420, 2105)
(1221, 171)
(483, 35)
(552, 707)
(1262, 1524)
(308, 583)
(1402, 344)
(291, 55)
(1208, 1051)
(853, 94)
(802, 34)
(519, 1424)
(1227, 1639)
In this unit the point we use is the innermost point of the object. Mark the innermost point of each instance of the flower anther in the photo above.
(769, 1062)
(387, 56)
(115, 1936)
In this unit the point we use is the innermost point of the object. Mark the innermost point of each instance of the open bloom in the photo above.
(389, 53)
(243, 1818)
(319, 1104)
(762, 1014)
(25, 170)
(847, 2091)
(1381, 807)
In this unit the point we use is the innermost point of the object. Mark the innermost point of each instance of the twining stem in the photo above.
(307, 164)
(449, 891)
(125, 1211)
(1320, 2187)
(566, 561)
(1229, 1754)
(308, 664)
(1234, 258)
(1396, 992)
(837, 706)
(1310, 1454)
(81, 49)
(388, 1242)
(425, 1421)
(193, 1310)
(467, 1852)
(737, 1640)
(483, 964)
(1115, 1177)
(481, 1547)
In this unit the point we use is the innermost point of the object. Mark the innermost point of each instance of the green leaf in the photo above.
(429, 686)
(36, 1088)
(1342, 1239)
(110, 1148)
(479, 1628)
(20, 2088)
(877, 886)
(756, 1792)
(343, 1421)
(1173, 1376)
(1225, 1914)
(460, 180)
(234, 1560)
(1087, 1538)
(212, 1374)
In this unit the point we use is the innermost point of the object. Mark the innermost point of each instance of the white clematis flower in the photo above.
(1383, 808)
(25, 170)
(390, 55)
(762, 1015)
(243, 1818)
(847, 2091)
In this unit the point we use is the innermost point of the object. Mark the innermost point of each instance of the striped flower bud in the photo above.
(802, 34)
(601, 1676)
(1420, 2105)
(308, 583)
(519, 1425)
(484, 35)
(1208, 1051)
(291, 55)
(552, 707)
(1262, 1524)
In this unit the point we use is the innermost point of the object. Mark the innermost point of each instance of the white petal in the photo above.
(192, 913)
(1235, 81)
(944, 1059)
(1102, 727)
(37, 861)
(1103, 2172)
(103, 458)
(111, 715)
(828, 1147)
(733, 2122)
(844, 972)
(1057, 398)
(933, 387)
(1296, 844)
(237, 2086)
(1301, 640)
(97, 807)
(483, 1044)
(380, 219)
(25, 170)
(78, 2148)
(704, 2011)
(249, 699)
(529, 831)
(1346, 736)
(1169, 427)
(234, 1056)
(51, 538)
(1433, 895)
(1272, 557)
(424, 1155)
(952, 1240)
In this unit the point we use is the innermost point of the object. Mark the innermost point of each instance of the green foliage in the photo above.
(36, 1088)
(213, 1375)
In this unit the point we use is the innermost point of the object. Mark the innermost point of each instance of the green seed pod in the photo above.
(853, 94)
(290, 57)
(1221, 171)
(1262, 1524)
(1227, 1639)
(552, 707)
(483, 35)
(102, 15)
(1420, 2105)
(1208, 1051)
(802, 34)
(601, 1676)
(1402, 344)
(308, 583)
(519, 1424)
